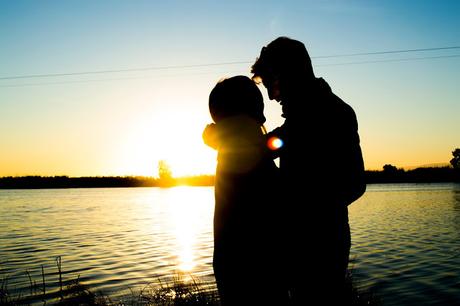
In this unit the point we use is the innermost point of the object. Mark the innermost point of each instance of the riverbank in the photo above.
(388, 175)
(50, 182)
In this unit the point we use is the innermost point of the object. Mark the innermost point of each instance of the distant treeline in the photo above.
(42, 182)
(390, 174)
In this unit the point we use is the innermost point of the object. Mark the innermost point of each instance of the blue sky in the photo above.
(123, 123)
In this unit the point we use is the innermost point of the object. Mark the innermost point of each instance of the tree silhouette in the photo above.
(455, 162)
(165, 173)
(388, 168)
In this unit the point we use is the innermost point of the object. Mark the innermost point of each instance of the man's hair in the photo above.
(284, 57)
(237, 95)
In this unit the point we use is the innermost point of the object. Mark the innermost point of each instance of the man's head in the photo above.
(282, 62)
(237, 95)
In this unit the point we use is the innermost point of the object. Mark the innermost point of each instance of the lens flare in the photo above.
(274, 143)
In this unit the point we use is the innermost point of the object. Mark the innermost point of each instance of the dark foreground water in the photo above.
(406, 238)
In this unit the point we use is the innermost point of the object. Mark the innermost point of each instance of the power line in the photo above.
(117, 70)
(100, 80)
(145, 77)
(388, 52)
(242, 62)
(392, 60)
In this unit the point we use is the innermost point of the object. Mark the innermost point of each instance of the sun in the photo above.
(173, 136)
(182, 147)
(187, 155)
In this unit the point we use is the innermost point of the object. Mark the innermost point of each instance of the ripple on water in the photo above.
(405, 238)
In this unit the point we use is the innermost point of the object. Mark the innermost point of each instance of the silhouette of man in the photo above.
(321, 168)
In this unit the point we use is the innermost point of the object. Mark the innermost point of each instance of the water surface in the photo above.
(405, 238)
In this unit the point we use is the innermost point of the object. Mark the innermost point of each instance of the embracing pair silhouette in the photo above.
(281, 234)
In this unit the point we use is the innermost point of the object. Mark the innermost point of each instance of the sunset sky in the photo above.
(111, 87)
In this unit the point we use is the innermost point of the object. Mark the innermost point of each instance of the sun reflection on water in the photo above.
(185, 225)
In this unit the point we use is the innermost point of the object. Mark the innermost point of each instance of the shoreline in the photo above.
(392, 176)
(178, 289)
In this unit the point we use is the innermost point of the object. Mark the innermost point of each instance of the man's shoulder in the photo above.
(339, 108)
(325, 91)
(344, 107)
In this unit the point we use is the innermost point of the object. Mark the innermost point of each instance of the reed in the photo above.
(178, 290)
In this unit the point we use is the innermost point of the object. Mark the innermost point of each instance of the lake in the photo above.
(405, 238)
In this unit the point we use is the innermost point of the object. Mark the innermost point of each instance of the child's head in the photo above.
(237, 95)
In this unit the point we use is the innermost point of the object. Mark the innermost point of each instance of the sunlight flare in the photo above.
(274, 143)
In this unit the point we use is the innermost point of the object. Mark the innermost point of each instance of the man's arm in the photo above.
(353, 183)
(211, 139)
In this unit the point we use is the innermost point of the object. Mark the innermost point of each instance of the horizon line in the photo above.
(406, 168)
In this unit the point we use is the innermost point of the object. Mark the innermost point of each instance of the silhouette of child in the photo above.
(245, 244)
